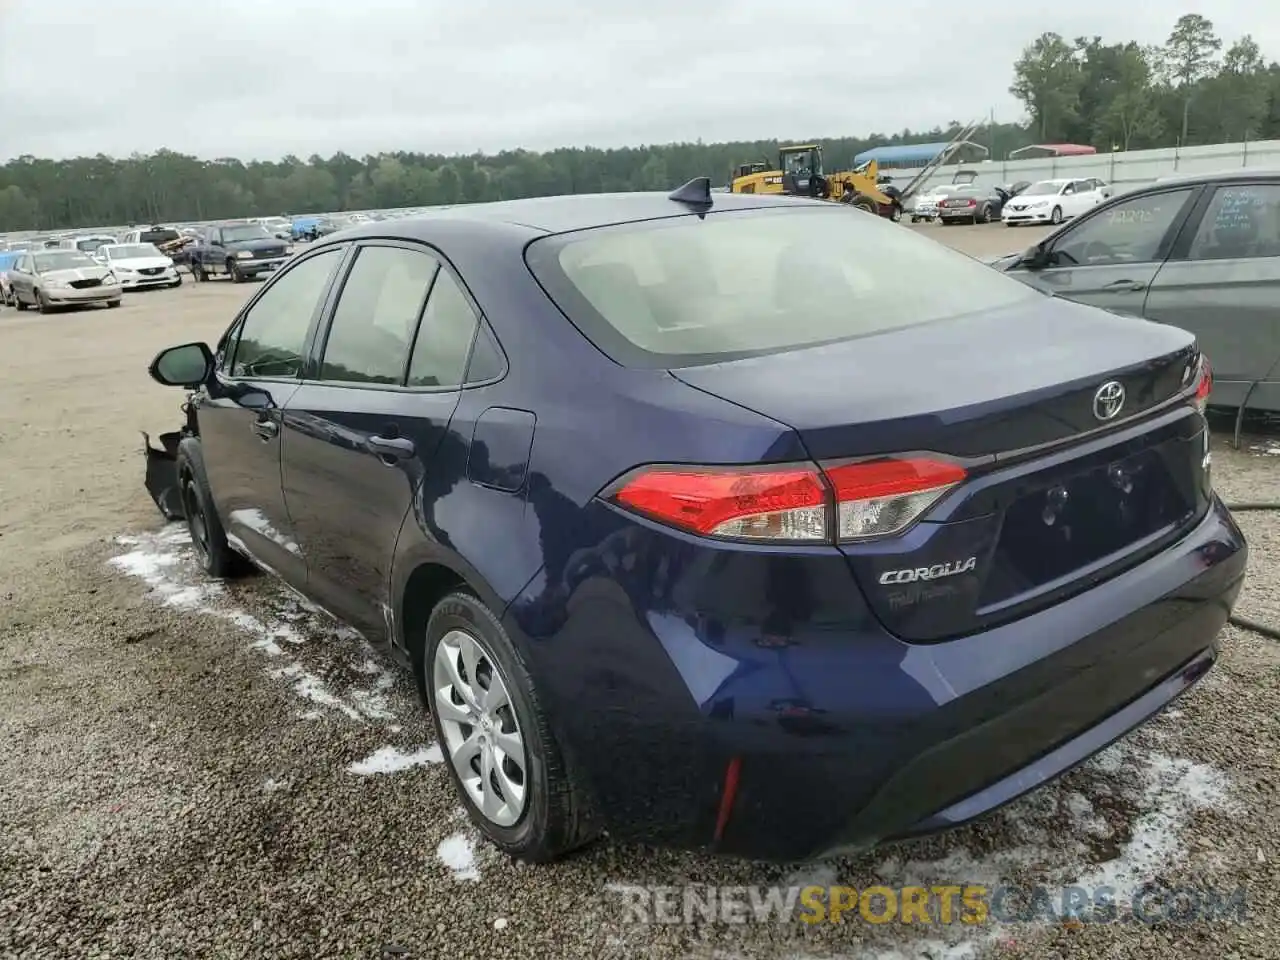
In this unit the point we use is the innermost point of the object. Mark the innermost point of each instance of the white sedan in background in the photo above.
(139, 265)
(1052, 201)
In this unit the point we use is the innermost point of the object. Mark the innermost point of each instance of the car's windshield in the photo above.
(244, 231)
(62, 260)
(685, 291)
(158, 236)
(133, 251)
(1044, 188)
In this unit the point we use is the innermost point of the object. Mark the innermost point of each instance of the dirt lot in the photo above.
(193, 770)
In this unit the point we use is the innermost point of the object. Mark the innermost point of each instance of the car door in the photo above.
(259, 365)
(1109, 257)
(363, 429)
(1222, 283)
(20, 278)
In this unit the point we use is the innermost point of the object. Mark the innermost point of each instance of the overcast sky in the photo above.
(265, 78)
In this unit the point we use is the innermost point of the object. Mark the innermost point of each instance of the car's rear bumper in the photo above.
(841, 735)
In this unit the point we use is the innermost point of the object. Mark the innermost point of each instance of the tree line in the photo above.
(1111, 95)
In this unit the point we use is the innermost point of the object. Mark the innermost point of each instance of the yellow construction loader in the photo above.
(799, 173)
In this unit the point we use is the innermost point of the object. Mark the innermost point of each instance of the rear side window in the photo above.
(376, 315)
(687, 290)
(444, 339)
(1242, 221)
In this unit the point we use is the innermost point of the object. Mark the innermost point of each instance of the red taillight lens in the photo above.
(1204, 385)
(972, 203)
(876, 498)
(793, 503)
(761, 503)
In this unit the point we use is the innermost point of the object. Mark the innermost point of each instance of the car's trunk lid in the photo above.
(1055, 499)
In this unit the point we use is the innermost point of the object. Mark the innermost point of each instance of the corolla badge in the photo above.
(1108, 401)
(936, 572)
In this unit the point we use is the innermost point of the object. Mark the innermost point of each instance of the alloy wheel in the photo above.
(481, 731)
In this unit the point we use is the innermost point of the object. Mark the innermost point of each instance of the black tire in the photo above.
(18, 303)
(557, 817)
(984, 215)
(234, 271)
(43, 305)
(112, 304)
(1056, 217)
(915, 219)
(177, 283)
(896, 214)
(208, 538)
(197, 272)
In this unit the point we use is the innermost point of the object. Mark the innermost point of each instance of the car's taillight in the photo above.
(972, 203)
(1204, 385)
(876, 498)
(794, 503)
(755, 503)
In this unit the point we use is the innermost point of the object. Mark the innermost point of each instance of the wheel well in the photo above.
(426, 587)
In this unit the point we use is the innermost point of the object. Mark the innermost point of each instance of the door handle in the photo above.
(1127, 286)
(391, 449)
(266, 429)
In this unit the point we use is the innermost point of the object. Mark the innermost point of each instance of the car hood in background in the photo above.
(142, 263)
(77, 273)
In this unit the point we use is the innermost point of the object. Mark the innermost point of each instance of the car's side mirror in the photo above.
(1035, 258)
(187, 365)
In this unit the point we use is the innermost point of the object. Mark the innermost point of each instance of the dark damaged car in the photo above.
(698, 524)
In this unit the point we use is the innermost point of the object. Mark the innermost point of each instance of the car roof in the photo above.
(1218, 176)
(563, 214)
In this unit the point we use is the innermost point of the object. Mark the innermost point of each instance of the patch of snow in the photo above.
(458, 853)
(394, 760)
(271, 785)
(165, 563)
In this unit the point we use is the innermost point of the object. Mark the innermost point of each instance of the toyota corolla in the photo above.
(721, 521)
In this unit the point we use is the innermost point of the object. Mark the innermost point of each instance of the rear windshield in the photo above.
(684, 291)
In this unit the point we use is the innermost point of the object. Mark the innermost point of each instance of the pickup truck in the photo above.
(239, 250)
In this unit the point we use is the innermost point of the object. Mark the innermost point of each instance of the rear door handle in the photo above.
(266, 429)
(1126, 286)
(391, 449)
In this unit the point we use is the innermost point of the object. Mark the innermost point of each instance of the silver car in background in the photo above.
(1200, 252)
(48, 279)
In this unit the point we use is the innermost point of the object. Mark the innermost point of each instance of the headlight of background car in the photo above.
(244, 255)
(109, 278)
(123, 270)
(56, 284)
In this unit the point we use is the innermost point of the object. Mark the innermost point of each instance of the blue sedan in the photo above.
(729, 522)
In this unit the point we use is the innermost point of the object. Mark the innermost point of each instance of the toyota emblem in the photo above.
(1109, 400)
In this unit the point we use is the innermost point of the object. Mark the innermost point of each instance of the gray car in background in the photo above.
(1201, 252)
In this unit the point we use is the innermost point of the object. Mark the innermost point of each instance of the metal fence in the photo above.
(1132, 168)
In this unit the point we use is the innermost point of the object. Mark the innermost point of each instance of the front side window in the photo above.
(377, 313)
(1131, 231)
(687, 290)
(1242, 221)
(273, 334)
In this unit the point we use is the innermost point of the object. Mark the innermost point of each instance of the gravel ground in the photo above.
(194, 770)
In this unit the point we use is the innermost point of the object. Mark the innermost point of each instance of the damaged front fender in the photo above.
(162, 474)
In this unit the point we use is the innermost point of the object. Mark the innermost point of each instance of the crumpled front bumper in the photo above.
(162, 474)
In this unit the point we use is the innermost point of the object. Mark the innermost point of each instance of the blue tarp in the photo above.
(8, 258)
(903, 153)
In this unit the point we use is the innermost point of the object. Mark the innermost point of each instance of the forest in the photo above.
(1194, 89)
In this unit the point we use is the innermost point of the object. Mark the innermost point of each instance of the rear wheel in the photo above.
(503, 759)
(18, 303)
(1056, 217)
(865, 204)
(896, 214)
